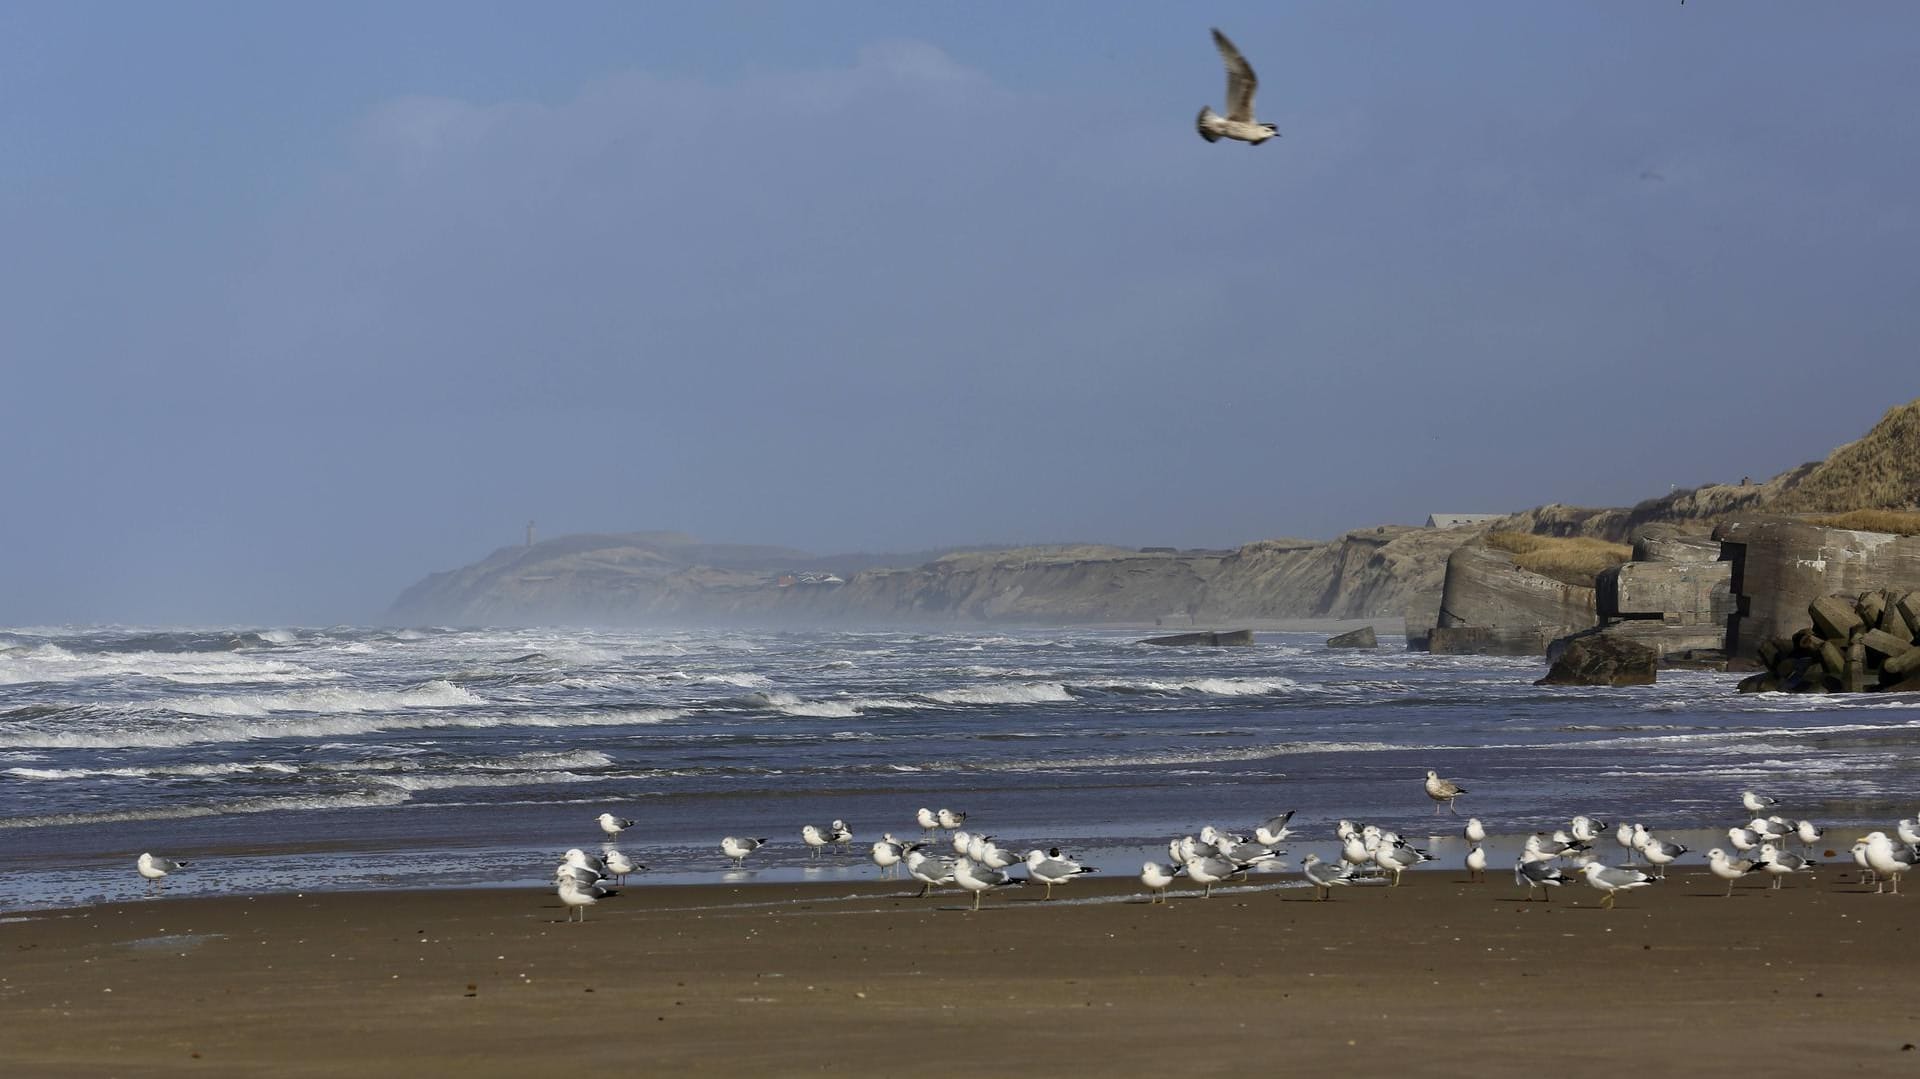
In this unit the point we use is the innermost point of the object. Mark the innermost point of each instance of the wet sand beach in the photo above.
(1439, 977)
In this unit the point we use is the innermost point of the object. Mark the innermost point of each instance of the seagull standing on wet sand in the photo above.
(1443, 790)
(1477, 865)
(887, 853)
(613, 825)
(929, 870)
(1537, 874)
(1755, 803)
(1614, 881)
(156, 870)
(1324, 880)
(1779, 863)
(1158, 878)
(816, 839)
(575, 898)
(1727, 869)
(619, 865)
(1238, 123)
(737, 848)
(1623, 835)
(978, 878)
(1051, 867)
(1661, 854)
(1888, 859)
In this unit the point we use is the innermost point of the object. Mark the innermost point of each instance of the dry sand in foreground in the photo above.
(1438, 977)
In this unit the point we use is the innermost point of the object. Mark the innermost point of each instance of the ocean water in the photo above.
(297, 759)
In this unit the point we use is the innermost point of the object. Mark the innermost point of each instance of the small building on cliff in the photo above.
(1459, 520)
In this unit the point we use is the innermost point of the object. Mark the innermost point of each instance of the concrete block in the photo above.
(1857, 677)
(1832, 658)
(1888, 645)
(1892, 621)
(1870, 607)
(1905, 663)
(1684, 591)
(1834, 617)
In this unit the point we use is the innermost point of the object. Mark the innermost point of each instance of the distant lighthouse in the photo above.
(529, 533)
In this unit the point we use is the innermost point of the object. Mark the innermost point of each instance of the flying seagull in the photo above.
(1238, 123)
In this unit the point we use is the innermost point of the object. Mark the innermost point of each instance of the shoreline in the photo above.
(1437, 976)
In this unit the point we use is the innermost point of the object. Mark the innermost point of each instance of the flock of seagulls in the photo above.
(978, 863)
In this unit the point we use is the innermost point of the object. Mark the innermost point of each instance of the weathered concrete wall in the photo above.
(1665, 543)
(1780, 565)
(1512, 611)
(1676, 593)
(1423, 614)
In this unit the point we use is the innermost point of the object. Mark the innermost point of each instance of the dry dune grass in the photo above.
(1574, 560)
(1898, 522)
(1882, 469)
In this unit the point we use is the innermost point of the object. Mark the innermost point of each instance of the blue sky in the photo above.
(302, 303)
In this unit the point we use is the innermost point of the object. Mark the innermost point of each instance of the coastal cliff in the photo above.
(1388, 572)
(662, 577)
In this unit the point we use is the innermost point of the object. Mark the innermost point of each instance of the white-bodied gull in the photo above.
(1614, 881)
(738, 847)
(1157, 878)
(1325, 877)
(155, 870)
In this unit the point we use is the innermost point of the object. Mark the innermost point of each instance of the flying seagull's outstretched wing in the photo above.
(1241, 82)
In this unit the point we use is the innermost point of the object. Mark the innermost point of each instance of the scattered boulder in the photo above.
(1231, 638)
(1359, 638)
(1600, 660)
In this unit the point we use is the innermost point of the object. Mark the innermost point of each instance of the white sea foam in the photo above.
(792, 704)
(1158, 760)
(434, 694)
(288, 804)
(564, 760)
(158, 771)
(1216, 687)
(418, 782)
(743, 679)
(51, 663)
(200, 733)
(1003, 693)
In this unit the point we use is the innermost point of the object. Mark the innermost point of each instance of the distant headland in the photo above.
(1481, 582)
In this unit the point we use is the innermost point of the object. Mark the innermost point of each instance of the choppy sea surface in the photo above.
(295, 759)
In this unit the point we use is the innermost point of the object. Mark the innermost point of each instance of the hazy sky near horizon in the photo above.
(299, 303)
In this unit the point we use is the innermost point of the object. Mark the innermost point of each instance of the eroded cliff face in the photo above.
(634, 579)
(1370, 573)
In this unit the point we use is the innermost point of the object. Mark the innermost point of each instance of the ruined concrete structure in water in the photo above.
(1780, 565)
(1490, 606)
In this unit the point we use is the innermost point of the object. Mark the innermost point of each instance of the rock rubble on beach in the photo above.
(1855, 645)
